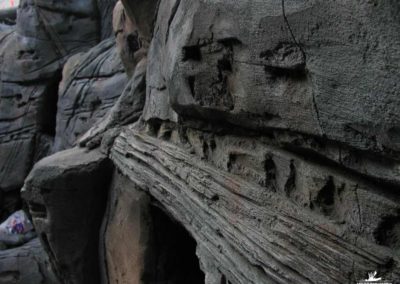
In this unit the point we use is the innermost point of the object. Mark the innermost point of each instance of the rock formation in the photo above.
(92, 82)
(26, 265)
(32, 56)
(252, 141)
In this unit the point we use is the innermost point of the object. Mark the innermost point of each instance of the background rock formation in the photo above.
(70, 231)
(92, 82)
(26, 265)
(263, 135)
(31, 59)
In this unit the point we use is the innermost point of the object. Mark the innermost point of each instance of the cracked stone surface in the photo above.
(32, 54)
(92, 83)
(267, 131)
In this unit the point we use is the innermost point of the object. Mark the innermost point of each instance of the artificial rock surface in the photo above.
(92, 82)
(70, 230)
(141, 242)
(267, 130)
(27, 264)
(32, 54)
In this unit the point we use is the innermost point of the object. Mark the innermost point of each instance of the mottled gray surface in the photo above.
(92, 83)
(291, 112)
(70, 230)
(269, 132)
(27, 264)
(32, 55)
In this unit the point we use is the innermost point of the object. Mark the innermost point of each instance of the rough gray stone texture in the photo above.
(27, 264)
(129, 106)
(126, 110)
(67, 194)
(269, 132)
(105, 8)
(323, 68)
(265, 215)
(32, 54)
(92, 83)
(280, 118)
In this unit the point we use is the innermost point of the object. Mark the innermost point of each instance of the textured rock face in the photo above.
(274, 101)
(92, 82)
(268, 133)
(31, 58)
(26, 265)
(70, 230)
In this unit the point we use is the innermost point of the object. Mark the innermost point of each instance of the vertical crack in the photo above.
(304, 56)
(171, 18)
(290, 29)
(317, 113)
(358, 207)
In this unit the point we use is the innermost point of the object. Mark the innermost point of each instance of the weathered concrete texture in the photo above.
(27, 264)
(269, 132)
(67, 194)
(31, 58)
(92, 83)
(321, 68)
(273, 231)
(126, 110)
(286, 103)
(129, 106)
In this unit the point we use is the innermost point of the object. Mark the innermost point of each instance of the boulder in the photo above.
(66, 195)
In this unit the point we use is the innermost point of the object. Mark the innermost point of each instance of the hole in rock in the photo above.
(270, 173)
(133, 42)
(173, 253)
(326, 197)
(192, 80)
(290, 185)
(192, 53)
(388, 232)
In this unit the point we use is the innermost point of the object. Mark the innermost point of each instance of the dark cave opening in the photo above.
(48, 108)
(172, 257)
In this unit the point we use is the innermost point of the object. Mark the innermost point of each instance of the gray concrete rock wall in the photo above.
(32, 55)
(92, 82)
(266, 129)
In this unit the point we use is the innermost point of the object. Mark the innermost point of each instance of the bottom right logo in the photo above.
(373, 278)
